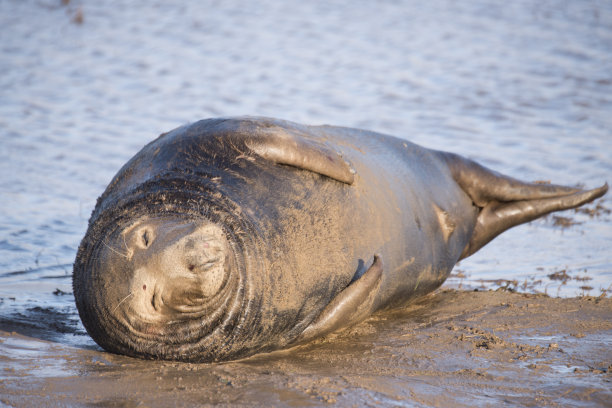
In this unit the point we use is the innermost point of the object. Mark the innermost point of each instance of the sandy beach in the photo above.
(453, 348)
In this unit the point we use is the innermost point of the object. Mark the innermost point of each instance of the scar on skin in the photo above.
(446, 223)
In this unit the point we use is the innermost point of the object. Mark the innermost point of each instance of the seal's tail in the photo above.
(505, 202)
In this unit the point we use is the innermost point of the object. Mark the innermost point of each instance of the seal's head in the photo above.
(176, 267)
(163, 287)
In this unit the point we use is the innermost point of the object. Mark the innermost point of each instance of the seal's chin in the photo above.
(177, 268)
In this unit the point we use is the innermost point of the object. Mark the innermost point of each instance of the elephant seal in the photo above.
(229, 237)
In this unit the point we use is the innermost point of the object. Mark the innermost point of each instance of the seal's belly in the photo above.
(402, 206)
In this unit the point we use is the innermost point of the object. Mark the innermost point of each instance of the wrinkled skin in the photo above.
(230, 237)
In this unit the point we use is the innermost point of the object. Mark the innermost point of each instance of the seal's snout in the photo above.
(176, 267)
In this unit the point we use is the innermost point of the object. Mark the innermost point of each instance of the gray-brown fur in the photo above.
(295, 216)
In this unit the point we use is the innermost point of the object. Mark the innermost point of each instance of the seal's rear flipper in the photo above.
(350, 306)
(505, 202)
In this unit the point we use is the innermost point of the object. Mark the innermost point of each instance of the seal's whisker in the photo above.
(122, 300)
(115, 251)
(125, 244)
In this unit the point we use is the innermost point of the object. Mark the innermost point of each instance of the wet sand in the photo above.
(452, 348)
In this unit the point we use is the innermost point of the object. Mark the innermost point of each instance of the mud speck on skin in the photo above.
(444, 350)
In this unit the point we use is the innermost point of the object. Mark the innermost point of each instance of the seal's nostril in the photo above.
(191, 267)
(144, 287)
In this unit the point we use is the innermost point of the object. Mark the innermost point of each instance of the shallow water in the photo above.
(524, 88)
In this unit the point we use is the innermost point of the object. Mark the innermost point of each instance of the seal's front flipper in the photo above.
(505, 202)
(292, 146)
(350, 306)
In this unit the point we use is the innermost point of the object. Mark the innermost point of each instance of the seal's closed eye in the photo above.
(139, 236)
(145, 238)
